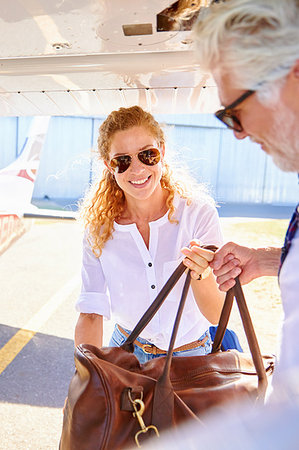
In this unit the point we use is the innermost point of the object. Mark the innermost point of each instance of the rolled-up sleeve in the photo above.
(94, 298)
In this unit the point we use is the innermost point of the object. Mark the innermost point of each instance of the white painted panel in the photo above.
(241, 170)
(236, 171)
(280, 187)
(65, 163)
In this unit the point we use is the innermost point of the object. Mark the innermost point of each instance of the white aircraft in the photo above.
(17, 179)
(17, 184)
(87, 58)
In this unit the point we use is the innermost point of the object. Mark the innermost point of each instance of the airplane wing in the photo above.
(51, 214)
(88, 58)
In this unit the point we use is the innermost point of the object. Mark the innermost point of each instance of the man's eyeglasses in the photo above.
(227, 116)
(149, 157)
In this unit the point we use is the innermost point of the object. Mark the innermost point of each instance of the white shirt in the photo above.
(123, 282)
(289, 286)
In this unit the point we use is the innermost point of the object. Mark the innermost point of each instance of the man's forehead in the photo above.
(226, 87)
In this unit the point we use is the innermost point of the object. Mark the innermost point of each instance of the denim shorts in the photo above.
(118, 338)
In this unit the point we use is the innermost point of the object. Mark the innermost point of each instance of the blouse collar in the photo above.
(154, 223)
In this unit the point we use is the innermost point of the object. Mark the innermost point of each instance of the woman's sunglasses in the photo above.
(149, 157)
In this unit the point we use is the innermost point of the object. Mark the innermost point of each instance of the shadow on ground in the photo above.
(40, 373)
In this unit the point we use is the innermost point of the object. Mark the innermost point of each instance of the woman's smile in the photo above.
(141, 182)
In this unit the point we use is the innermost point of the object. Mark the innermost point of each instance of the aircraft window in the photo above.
(137, 29)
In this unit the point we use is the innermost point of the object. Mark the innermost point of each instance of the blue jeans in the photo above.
(118, 338)
(230, 339)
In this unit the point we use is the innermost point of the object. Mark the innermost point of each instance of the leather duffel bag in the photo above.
(114, 402)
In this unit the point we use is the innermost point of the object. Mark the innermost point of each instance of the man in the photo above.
(251, 47)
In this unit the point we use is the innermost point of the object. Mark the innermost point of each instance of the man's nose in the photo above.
(240, 134)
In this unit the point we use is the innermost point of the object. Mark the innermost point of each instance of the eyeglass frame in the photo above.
(224, 111)
(131, 157)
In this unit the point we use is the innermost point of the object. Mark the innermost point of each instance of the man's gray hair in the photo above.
(256, 41)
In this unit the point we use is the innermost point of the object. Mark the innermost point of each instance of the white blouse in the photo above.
(123, 282)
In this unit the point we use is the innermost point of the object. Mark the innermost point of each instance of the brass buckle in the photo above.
(147, 345)
(139, 408)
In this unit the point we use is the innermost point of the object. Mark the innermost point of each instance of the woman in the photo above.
(140, 222)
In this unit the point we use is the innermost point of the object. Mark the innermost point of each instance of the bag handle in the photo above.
(164, 394)
(163, 401)
(128, 345)
(237, 292)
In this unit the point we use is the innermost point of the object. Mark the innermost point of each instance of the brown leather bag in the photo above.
(114, 402)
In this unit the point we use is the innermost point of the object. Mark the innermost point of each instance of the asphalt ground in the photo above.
(40, 280)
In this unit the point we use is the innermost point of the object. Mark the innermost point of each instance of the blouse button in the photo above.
(153, 286)
(149, 264)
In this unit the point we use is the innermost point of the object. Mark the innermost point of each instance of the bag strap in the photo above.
(128, 345)
(236, 292)
(163, 401)
(223, 321)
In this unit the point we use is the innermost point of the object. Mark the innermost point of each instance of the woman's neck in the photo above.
(144, 211)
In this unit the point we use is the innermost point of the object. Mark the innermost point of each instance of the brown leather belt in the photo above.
(152, 349)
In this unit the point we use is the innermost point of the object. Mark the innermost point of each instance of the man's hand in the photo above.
(233, 260)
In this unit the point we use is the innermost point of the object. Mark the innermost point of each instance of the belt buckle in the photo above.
(147, 345)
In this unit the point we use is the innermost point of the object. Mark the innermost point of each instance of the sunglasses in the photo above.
(227, 116)
(149, 157)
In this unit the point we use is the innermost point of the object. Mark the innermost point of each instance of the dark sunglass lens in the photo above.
(234, 123)
(149, 157)
(121, 163)
(231, 121)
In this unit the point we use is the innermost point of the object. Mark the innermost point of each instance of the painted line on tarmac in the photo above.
(13, 347)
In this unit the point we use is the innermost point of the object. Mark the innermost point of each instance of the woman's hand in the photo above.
(208, 297)
(197, 259)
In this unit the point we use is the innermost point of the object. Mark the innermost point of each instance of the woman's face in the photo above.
(139, 181)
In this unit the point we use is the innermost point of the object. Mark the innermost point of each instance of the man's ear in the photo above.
(290, 89)
(295, 69)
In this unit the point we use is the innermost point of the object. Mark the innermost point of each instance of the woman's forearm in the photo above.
(208, 297)
(89, 330)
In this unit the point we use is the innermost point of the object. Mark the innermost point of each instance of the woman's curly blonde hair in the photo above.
(105, 200)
